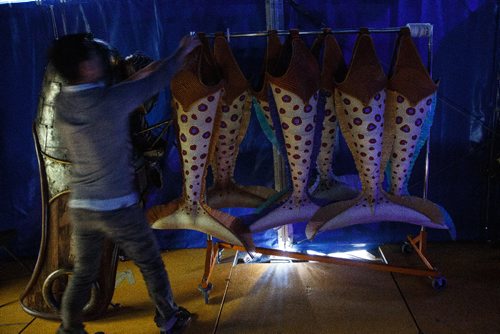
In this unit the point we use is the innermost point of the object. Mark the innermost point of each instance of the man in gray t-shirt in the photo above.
(93, 119)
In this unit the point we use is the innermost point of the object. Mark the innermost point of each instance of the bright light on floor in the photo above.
(14, 1)
(288, 247)
(313, 252)
(360, 254)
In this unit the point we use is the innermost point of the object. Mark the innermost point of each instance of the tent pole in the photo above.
(275, 21)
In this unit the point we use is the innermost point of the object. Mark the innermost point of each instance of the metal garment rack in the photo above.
(417, 244)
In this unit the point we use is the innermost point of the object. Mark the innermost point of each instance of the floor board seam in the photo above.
(8, 303)
(27, 325)
(406, 304)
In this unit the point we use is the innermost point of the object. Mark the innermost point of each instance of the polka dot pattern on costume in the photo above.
(194, 130)
(407, 131)
(297, 123)
(363, 132)
(226, 148)
(195, 133)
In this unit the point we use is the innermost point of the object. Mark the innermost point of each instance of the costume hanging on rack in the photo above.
(196, 92)
(261, 92)
(233, 117)
(327, 188)
(360, 101)
(411, 93)
(295, 87)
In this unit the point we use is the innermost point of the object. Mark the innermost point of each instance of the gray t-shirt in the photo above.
(94, 125)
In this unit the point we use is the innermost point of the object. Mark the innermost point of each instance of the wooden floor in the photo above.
(297, 297)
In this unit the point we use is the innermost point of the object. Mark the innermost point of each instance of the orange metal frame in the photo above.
(418, 244)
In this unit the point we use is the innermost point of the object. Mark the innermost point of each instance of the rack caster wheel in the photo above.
(406, 248)
(205, 292)
(439, 283)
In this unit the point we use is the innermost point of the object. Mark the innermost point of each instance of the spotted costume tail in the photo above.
(295, 87)
(361, 105)
(327, 187)
(233, 116)
(196, 92)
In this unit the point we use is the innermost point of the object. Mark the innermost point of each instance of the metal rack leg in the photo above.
(419, 245)
(210, 258)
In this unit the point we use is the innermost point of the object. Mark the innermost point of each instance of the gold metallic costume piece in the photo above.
(42, 295)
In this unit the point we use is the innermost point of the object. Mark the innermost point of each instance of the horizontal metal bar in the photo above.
(422, 28)
(333, 260)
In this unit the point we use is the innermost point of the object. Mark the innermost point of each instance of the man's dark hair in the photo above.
(69, 51)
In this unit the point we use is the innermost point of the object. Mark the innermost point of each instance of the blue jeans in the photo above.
(130, 231)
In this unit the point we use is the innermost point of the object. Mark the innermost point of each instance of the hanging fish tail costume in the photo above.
(196, 92)
(327, 187)
(261, 92)
(233, 116)
(411, 95)
(362, 108)
(295, 92)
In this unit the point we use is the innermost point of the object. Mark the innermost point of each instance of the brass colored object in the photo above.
(55, 259)
(55, 302)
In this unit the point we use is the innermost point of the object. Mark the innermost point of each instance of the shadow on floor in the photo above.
(302, 297)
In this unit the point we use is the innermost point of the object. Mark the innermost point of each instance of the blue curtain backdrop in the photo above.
(465, 60)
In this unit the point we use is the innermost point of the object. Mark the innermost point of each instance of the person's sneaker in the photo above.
(78, 330)
(183, 319)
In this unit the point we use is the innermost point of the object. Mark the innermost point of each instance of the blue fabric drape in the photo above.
(465, 48)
